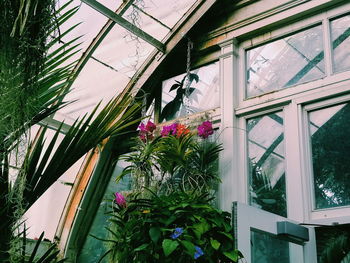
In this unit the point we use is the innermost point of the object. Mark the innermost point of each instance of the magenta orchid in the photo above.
(205, 129)
(146, 131)
(169, 130)
(120, 199)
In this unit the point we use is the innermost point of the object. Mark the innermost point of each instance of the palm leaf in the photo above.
(80, 138)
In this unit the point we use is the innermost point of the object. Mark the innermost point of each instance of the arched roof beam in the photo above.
(125, 23)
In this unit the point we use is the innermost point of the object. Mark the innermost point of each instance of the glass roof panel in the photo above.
(91, 21)
(123, 51)
(167, 11)
(146, 23)
(95, 82)
(120, 54)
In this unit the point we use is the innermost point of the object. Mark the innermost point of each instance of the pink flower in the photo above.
(142, 127)
(150, 126)
(146, 131)
(205, 129)
(169, 130)
(120, 199)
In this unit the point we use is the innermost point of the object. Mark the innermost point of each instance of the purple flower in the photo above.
(169, 130)
(120, 199)
(205, 129)
(177, 232)
(150, 126)
(142, 127)
(146, 131)
(199, 252)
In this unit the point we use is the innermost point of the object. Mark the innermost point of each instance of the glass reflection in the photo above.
(289, 61)
(266, 163)
(340, 32)
(203, 93)
(330, 129)
(333, 243)
(267, 248)
(100, 222)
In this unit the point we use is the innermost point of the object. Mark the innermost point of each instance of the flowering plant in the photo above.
(120, 200)
(169, 214)
(174, 158)
(205, 129)
(179, 227)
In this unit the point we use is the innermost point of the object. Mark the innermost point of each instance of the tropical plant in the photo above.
(175, 159)
(26, 254)
(178, 227)
(169, 215)
(171, 108)
(35, 75)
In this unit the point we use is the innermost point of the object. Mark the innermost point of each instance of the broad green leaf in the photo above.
(233, 255)
(189, 246)
(202, 227)
(169, 246)
(215, 244)
(154, 234)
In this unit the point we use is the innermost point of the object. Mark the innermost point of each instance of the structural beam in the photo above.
(124, 23)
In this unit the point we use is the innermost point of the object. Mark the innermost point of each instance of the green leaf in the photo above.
(169, 220)
(169, 246)
(215, 244)
(154, 234)
(189, 246)
(233, 255)
(142, 247)
(202, 227)
(226, 234)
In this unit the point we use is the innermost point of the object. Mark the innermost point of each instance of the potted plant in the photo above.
(170, 214)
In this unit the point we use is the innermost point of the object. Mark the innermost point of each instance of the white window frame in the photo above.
(295, 101)
(244, 147)
(327, 216)
(291, 100)
(248, 218)
(278, 96)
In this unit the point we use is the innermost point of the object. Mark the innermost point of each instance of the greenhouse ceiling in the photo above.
(116, 38)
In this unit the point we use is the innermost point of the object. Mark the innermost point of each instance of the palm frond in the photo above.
(44, 167)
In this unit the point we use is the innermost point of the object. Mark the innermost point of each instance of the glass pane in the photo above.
(289, 61)
(169, 12)
(266, 163)
(333, 243)
(135, 16)
(204, 93)
(340, 32)
(101, 220)
(45, 213)
(330, 129)
(267, 248)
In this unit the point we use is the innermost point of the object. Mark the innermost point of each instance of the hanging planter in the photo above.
(170, 216)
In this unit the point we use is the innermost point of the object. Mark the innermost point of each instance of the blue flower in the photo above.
(177, 232)
(199, 252)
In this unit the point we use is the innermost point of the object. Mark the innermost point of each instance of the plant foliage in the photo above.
(173, 162)
(36, 70)
(171, 108)
(145, 230)
(169, 215)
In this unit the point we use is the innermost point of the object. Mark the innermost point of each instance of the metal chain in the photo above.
(188, 80)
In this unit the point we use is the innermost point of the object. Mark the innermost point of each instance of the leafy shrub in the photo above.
(179, 227)
(169, 215)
